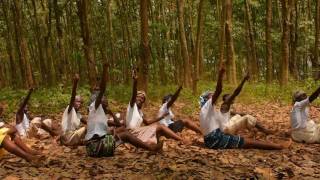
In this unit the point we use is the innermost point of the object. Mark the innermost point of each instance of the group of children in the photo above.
(103, 130)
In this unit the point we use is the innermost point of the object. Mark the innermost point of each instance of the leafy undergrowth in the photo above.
(179, 161)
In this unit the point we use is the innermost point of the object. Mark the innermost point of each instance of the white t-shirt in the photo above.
(299, 114)
(134, 117)
(223, 119)
(168, 119)
(209, 120)
(70, 121)
(97, 122)
(23, 127)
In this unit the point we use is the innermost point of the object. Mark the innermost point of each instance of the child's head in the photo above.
(299, 96)
(141, 98)
(205, 97)
(104, 102)
(166, 98)
(225, 97)
(77, 103)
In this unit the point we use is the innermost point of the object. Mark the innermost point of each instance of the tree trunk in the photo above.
(40, 45)
(22, 46)
(253, 52)
(317, 40)
(222, 35)
(184, 46)
(285, 43)
(269, 42)
(198, 46)
(145, 54)
(231, 64)
(293, 39)
(83, 13)
(14, 80)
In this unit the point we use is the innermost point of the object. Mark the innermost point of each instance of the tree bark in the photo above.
(285, 43)
(184, 45)
(25, 65)
(83, 13)
(269, 42)
(253, 63)
(317, 41)
(145, 54)
(231, 64)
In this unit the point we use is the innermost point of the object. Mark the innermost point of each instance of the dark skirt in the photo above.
(177, 126)
(101, 146)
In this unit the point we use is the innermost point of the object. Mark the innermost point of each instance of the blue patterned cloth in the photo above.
(218, 140)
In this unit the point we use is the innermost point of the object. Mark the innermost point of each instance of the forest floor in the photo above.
(179, 161)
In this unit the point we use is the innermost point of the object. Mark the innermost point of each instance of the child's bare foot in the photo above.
(34, 152)
(186, 142)
(37, 161)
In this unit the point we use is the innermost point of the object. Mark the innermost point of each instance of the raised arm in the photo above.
(218, 90)
(174, 97)
(25, 101)
(20, 112)
(150, 121)
(134, 88)
(103, 86)
(74, 91)
(237, 91)
(314, 95)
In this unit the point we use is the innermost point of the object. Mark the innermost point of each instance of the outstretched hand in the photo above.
(76, 77)
(134, 74)
(247, 77)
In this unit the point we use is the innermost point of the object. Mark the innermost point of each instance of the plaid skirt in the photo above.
(218, 140)
(101, 146)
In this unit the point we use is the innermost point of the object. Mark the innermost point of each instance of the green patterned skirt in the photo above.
(101, 147)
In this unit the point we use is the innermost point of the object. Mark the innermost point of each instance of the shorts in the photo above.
(310, 134)
(73, 138)
(177, 126)
(218, 140)
(237, 123)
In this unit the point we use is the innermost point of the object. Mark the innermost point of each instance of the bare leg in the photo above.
(128, 137)
(23, 146)
(11, 147)
(251, 144)
(191, 125)
(54, 131)
(263, 129)
(168, 133)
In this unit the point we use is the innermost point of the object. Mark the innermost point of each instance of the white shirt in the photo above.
(209, 120)
(168, 119)
(299, 114)
(97, 122)
(23, 127)
(223, 119)
(70, 121)
(134, 117)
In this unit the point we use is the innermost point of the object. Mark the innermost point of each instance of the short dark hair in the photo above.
(225, 97)
(166, 98)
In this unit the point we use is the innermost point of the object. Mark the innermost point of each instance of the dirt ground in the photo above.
(179, 161)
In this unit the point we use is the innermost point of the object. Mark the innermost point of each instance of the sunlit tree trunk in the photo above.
(145, 54)
(230, 63)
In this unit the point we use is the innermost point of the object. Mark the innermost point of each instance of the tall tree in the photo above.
(230, 63)
(269, 41)
(252, 55)
(284, 76)
(317, 40)
(198, 46)
(145, 53)
(83, 13)
(24, 58)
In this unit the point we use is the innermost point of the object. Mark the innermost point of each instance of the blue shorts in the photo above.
(218, 140)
